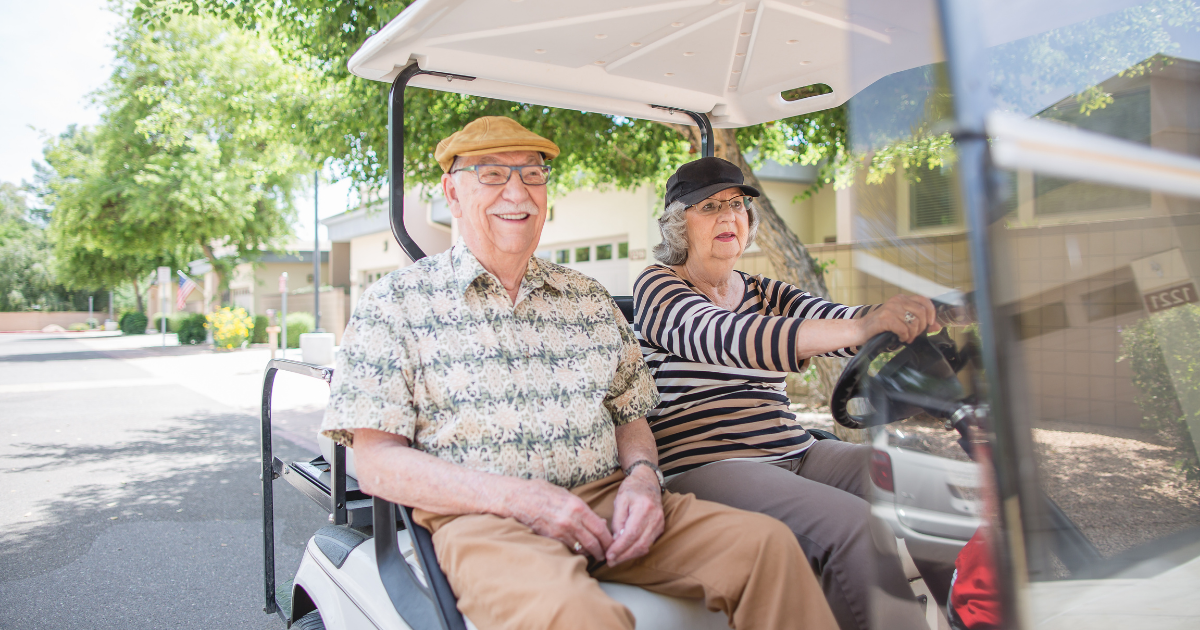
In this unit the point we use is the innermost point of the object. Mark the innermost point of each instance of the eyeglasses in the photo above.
(499, 174)
(710, 207)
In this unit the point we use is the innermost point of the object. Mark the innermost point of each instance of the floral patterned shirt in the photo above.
(438, 353)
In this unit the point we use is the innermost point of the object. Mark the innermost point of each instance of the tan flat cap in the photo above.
(491, 134)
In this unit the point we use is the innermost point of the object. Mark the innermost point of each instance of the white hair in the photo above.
(673, 250)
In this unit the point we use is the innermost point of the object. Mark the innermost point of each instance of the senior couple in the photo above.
(507, 400)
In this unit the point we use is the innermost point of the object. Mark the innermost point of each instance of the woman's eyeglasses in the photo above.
(499, 174)
(712, 206)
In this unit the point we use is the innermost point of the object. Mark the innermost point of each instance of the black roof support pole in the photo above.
(396, 162)
(707, 149)
(706, 133)
(396, 155)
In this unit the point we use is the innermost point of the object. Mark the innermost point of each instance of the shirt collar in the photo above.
(467, 269)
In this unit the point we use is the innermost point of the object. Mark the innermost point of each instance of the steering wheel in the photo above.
(921, 377)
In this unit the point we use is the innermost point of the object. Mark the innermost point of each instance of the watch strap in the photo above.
(649, 464)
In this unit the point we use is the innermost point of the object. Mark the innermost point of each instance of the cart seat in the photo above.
(352, 560)
(650, 609)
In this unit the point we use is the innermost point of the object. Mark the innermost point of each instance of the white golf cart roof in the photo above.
(730, 60)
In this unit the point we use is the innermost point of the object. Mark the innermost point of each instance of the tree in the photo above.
(26, 279)
(88, 254)
(191, 158)
(27, 261)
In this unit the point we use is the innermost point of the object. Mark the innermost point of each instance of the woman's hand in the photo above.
(905, 315)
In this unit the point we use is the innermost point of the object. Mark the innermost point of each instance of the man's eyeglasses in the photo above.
(499, 174)
(712, 206)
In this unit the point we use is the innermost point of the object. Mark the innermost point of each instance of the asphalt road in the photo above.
(129, 484)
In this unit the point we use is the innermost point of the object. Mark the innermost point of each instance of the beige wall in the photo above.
(334, 308)
(373, 254)
(606, 215)
(807, 217)
(33, 320)
(253, 282)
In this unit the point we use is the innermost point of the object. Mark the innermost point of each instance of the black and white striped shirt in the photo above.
(721, 374)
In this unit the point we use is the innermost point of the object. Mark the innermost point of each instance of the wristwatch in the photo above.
(649, 464)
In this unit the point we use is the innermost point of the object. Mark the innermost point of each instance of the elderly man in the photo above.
(504, 398)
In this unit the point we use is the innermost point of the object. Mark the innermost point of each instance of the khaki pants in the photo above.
(745, 565)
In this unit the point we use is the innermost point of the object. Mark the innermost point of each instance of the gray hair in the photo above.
(672, 223)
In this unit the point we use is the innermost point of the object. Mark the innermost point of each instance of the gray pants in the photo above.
(824, 498)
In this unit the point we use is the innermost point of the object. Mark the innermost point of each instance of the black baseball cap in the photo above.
(699, 180)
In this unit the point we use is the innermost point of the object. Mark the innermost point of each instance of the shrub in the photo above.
(191, 329)
(230, 327)
(78, 326)
(298, 323)
(1168, 391)
(175, 320)
(259, 334)
(133, 323)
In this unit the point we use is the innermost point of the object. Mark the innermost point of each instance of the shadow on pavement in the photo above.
(179, 544)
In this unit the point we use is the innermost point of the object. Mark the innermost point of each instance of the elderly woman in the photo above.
(720, 344)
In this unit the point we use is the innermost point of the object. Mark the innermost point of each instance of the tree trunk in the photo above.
(137, 293)
(789, 257)
(212, 260)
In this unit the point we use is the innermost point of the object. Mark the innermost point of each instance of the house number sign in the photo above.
(1170, 297)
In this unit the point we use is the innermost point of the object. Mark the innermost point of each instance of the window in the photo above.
(604, 252)
(562, 256)
(1041, 320)
(623, 250)
(931, 200)
(583, 254)
(1115, 300)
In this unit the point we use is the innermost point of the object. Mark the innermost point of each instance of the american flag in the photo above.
(186, 286)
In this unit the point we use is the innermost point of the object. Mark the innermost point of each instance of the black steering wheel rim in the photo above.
(849, 383)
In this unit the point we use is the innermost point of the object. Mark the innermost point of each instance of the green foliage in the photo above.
(346, 117)
(1161, 351)
(27, 263)
(133, 323)
(78, 327)
(260, 329)
(191, 329)
(298, 324)
(191, 153)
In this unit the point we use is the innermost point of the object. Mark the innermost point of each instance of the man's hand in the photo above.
(637, 516)
(905, 315)
(555, 513)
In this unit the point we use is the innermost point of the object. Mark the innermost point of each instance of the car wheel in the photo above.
(311, 621)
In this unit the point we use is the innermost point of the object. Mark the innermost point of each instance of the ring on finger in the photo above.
(578, 547)
(909, 317)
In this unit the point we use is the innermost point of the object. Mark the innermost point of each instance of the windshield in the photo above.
(1094, 232)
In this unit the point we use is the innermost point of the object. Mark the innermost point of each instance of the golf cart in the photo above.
(1061, 213)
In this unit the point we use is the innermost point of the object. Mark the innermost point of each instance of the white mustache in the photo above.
(508, 207)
